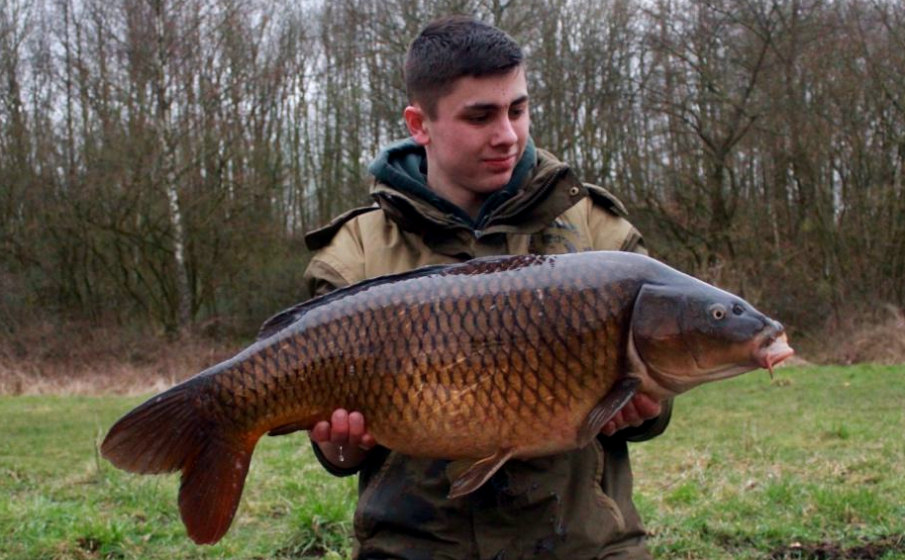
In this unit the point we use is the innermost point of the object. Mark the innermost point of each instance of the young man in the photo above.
(469, 183)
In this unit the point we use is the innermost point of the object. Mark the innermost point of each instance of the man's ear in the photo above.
(415, 120)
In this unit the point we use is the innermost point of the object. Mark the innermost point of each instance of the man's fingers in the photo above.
(367, 441)
(609, 428)
(344, 429)
(321, 432)
(646, 407)
(630, 416)
(356, 427)
(637, 411)
(358, 432)
(614, 424)
(339, 427)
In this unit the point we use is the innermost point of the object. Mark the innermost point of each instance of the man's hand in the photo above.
(345, 439)
(638, 410)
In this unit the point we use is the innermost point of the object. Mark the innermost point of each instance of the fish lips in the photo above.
(773, 349)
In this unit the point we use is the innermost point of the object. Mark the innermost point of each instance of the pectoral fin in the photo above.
(468, 478)
(620, 394)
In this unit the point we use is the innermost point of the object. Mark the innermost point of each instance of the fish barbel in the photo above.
(483, 361)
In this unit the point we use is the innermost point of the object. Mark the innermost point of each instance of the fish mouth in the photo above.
(767, 349)
(772, 351)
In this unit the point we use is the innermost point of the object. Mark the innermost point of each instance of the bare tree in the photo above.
(161, 159)
(711, 57)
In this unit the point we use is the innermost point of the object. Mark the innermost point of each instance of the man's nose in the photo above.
(504, 132)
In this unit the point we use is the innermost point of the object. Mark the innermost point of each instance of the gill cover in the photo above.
(689, 332)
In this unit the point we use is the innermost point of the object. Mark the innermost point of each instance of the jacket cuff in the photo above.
(651, 428)
(330, 467)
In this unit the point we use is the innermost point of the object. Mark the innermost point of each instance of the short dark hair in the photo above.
(450, 48)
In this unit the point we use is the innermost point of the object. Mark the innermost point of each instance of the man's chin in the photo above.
(496, 181)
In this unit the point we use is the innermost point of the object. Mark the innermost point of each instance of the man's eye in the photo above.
(515, 113)
(477, 118)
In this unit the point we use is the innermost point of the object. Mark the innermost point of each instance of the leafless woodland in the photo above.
(160, 160)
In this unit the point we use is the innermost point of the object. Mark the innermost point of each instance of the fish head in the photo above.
(687, 334)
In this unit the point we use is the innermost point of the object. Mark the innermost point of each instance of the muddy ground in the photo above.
(884, 547)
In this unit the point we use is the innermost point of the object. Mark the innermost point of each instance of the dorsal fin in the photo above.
(289, 316)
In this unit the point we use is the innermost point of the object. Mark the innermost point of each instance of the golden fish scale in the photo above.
(455, 368)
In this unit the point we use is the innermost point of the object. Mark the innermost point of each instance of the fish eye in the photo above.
(738, 309)
(718, 312)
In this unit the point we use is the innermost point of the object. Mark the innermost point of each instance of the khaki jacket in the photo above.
(575, 505)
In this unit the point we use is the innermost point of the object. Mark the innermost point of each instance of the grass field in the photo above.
(811, 465)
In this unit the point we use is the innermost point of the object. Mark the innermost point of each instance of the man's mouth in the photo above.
(501, 163)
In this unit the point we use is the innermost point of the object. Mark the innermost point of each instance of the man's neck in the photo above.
(467, 200)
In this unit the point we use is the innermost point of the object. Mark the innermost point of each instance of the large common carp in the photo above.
(491, 359)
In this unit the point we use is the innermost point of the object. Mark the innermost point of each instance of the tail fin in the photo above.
(211, 487)
(166, 434)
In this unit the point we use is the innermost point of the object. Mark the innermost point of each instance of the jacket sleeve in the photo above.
(334, 266)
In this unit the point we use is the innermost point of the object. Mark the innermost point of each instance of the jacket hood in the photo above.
(402, 166)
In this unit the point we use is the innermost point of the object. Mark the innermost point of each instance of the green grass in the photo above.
(810, 464)
(66, 502)
(814, 461)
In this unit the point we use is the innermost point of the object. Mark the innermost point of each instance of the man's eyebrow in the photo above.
(493, 106)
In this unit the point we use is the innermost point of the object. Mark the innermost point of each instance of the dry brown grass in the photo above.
(877, 338)
(84, 359)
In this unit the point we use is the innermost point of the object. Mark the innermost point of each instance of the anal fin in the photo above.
(289, 428)
(470, 478)
(618, 396)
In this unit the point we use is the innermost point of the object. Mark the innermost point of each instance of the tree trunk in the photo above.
(167, 171)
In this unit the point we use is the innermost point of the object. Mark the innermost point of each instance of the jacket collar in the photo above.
(542, 188)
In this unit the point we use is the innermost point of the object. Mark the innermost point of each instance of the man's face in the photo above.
(476, 137)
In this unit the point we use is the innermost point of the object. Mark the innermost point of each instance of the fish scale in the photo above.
(484, 361)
